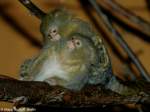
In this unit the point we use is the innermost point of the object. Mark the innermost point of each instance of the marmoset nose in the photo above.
(71, 44)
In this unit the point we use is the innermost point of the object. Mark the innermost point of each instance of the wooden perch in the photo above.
(40, 93)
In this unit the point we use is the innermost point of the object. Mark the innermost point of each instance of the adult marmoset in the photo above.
(73, 55)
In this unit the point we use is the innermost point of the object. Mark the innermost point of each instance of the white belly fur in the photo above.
(51, 67)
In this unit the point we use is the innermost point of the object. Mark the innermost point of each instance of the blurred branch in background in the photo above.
(148, 4)
(33, 9)
(17, 27)
(132, 21)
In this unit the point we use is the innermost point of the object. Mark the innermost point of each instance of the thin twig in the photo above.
(19, 28)
(33, 9)
(126, 16)
(121, 41)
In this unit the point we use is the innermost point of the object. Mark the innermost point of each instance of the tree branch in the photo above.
(126, 16)
(42, 94)
(33, 9)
